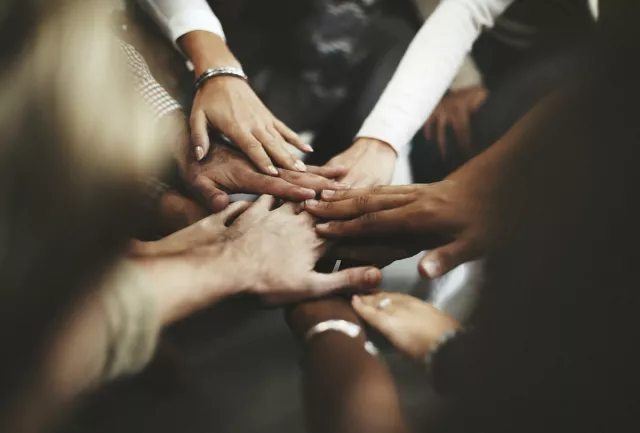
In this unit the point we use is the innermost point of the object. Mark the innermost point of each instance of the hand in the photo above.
(279, 250)
(411, 325)
(377, 252)
(228, 171)
(455, 110)
(177, 212)
(369, 162)
(447, 215)
(247, 248)
(230, 105)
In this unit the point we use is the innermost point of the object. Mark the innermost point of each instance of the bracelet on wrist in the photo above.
(347, 328)
(217, 72)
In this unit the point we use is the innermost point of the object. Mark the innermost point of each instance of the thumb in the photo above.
(213, 197)
(374, 317)
(363, 278)
(200, 135)
(441, 260)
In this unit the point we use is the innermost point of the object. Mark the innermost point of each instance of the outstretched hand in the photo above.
(442, 215)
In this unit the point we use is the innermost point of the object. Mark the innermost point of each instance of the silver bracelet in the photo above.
(217, 72)
(349, 329)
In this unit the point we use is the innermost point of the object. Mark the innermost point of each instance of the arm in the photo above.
(427, 69)
(179, 17)
(345, 388)
(226, 103)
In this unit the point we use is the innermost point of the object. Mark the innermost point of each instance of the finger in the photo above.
(428, 126)
(442, 260)
(233, 211)
(311, 181)
(374, 190)
(262, 206)
(363, 278)
(292, 208)
(329, 172)
(277, 149)
(252, 147)
(462, 132)
(378, 319)
(376, 223)
(278, 187)
(199, 135)
(355, 207)
(291, 136)
(442, 134)
(213, 197)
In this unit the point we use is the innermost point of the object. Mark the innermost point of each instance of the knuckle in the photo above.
(362, 201)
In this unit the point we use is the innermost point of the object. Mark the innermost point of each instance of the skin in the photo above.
(345, 389)
(411, 325)
(368, 162)
(246, 249)
(452, 217)
(230, 105)
(455, 110)
(224, 170)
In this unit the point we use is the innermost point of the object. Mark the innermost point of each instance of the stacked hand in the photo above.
(368, 162)
(444, 215)
(231, 106)
(258, 249)
(225, 170)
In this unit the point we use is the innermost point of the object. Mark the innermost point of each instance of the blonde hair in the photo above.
(75, 144)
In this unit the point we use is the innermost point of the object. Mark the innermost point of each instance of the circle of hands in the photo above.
(341, 211)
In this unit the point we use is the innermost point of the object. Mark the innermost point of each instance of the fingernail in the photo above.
(308, 192)
(371, 276)
(343, 186)
(199, 150)
(308, 148)
(311, 203)
(328, 193)
(431, 268)
(271, 169)
(299, 165)
(324, 226)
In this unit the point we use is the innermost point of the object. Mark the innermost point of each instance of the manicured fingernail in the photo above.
(431, 268)
(328, 193)
(324, 226)
(299, 165)
(271, 169)
(371, 276)
(308, 148)
(199, 151)
(311, 203)
(343, 186)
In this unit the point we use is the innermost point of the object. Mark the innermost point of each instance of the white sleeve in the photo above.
(428, 67)
(178, 17)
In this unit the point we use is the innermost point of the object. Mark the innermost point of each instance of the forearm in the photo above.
(345, 388)
(427, 69)
(206, 50)
(179, 17)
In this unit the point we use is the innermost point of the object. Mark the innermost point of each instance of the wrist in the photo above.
(376, 145)
(305, 315)
(186, 283)
(207, 50)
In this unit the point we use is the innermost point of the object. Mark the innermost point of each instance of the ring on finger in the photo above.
(384, 303)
